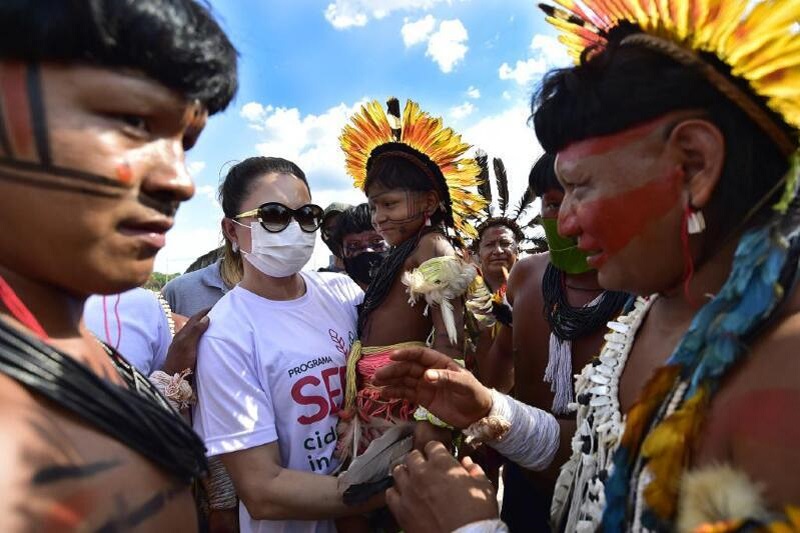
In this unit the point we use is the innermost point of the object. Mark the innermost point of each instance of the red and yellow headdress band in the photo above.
(757, 39)
(440, 152)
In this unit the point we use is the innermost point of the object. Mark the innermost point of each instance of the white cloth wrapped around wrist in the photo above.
(493, 525)
(524, 434)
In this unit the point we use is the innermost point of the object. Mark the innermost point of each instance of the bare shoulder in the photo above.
(26, 445)
(526, 270)
(59, 474)
(431, 245)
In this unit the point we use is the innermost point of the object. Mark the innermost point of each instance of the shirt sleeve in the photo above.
(234, 409)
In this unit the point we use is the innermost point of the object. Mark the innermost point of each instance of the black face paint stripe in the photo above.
(38, 118)
(27, 166)
(5, 144)
(63, 185)
(141, 513)
(57, 473)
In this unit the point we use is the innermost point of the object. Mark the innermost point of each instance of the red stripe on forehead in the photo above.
(606, 143)
(13, 89)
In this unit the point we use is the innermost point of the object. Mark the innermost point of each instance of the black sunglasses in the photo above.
(275, 217)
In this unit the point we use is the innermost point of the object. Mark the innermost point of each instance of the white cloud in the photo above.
(254, 112)
(546, 53)
(311, 141)
(195, 168)
(507, 135)
(506, 95)
(549, 48)
(343, 14)
(447, 46)
(418, 31)
(185, 243)
(462, 111)
(473, 92)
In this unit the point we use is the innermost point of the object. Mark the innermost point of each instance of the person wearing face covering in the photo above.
(362, 248)
(330, 222)
(270, 377)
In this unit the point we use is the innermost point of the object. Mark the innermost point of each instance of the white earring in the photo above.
(235, 247)
(696, 223)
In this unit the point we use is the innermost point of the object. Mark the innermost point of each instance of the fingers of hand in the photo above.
(395, 371)
(401, 477)
(393, 500)
(473, 468)
(437, 454)
(415, 462)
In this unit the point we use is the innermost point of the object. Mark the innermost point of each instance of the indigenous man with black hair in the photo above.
(677, 138)
(496, 249)
(417, 183)
(560, 314)
(92, 140)
(362, 248)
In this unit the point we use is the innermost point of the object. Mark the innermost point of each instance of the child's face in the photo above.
(398, 214)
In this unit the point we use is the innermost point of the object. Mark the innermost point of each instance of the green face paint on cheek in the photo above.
(564, 252)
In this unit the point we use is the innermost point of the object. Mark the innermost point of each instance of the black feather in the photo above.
(501, 178)
(524, 203)
(484, 186)
(393, 106)
(357, 494)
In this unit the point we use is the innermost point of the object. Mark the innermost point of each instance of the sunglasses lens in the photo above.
(274, 217)
(309, 217)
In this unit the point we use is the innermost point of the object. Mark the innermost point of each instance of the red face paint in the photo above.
(601, 145)
(13, 89)
(124, 173)
(610, 223)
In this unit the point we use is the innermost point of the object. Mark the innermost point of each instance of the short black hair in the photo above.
(543, 175)
(175, 42)
(519, 236)
(356, 219)
(625, 85)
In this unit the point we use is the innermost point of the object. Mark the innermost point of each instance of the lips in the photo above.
(151, 232)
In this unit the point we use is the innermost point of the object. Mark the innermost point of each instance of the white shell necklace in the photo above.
(579, 493)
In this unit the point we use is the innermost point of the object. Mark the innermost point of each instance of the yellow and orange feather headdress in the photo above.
(371, 128)
(758, 40)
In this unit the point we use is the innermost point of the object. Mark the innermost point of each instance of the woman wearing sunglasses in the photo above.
(270, 372)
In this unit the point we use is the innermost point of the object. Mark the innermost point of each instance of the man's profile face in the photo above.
(93, 179)
(498, 249)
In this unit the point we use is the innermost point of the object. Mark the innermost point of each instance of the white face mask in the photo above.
(281, 254)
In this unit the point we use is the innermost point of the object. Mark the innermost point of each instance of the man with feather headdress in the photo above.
(680, 174)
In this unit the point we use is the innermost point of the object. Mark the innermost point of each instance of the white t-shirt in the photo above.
(135, 323)
(274, 371)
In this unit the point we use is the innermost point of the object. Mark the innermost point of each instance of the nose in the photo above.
(567, 220)
(166, 176)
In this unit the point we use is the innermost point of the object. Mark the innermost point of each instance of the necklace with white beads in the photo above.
(579, 494)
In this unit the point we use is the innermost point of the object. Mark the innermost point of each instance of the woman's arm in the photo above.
(271, 492)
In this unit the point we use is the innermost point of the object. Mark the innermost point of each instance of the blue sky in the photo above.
(306, 65)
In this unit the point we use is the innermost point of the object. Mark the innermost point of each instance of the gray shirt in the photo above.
(191, 293)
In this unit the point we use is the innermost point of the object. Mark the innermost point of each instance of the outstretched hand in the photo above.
(432, 379)
(182, 352)
(433, 492)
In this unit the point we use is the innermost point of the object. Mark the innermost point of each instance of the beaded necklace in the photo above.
(579, 496)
